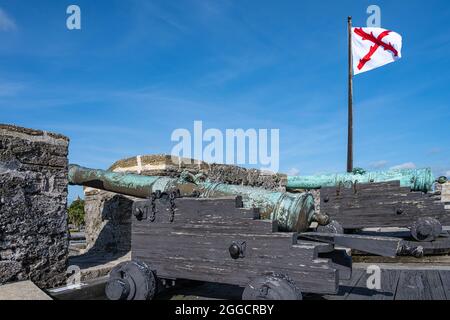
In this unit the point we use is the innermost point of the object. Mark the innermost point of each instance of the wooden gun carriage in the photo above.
(383, 204)
(217, 240)
(231, 234)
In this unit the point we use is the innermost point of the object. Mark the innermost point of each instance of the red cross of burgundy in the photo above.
(377, 43)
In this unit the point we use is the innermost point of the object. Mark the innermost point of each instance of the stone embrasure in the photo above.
(33, 206)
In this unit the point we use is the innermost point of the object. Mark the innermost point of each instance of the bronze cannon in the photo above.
(293, 212)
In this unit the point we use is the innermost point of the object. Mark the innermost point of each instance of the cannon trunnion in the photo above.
(217, 240)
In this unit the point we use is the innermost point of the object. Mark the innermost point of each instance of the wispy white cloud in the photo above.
(229, 68)
(6, 22)
(378, 164)
(165, 16)
(447, 173)
(406, 165)
(293, 172)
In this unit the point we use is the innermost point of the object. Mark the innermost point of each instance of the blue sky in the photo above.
(140, 69)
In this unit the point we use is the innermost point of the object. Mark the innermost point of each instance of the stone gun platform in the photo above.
(22, 290)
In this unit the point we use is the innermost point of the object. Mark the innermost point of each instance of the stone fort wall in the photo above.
(33, 206)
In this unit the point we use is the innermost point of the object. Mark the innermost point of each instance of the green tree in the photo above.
(359, 171)
(76, 213)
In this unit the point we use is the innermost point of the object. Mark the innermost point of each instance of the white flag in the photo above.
(374, 47)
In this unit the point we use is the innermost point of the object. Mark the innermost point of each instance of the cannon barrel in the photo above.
(293, 212)
(134, 185)
(416, 179)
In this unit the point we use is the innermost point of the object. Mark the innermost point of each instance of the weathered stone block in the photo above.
(33, 206)
(445, 192)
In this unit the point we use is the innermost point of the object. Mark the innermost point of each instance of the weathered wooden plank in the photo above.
(255, 246)
(239, 226)
(395, 207)
(388, 283)
(379, 205)
(276, 245)
(319, 247)
(413, 207)
(439, 246)
(215, 248)
(420, 285)
(318, 279)
(341, 260)
(445, 278)
(392, 198)
(382, 216)
(394, 203)
(272, 261)
(200, 232)
(195, 209)
(383, 246)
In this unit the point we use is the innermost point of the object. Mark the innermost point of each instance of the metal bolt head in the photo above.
(235, 250)
(139, 213)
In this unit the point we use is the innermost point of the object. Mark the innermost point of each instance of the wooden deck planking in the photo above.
(389, 281)
(420, 285)
(397, 283)
(445, 278)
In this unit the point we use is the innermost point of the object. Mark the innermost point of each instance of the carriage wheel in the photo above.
(131, 280)
(272, 287)
(426, 229)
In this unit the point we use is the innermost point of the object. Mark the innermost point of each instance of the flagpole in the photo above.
(350, 100)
